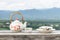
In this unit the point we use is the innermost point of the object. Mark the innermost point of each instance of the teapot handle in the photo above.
(14, 13)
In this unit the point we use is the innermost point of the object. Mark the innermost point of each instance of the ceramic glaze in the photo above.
(17, 25)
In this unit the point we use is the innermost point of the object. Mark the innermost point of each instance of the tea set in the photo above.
(18, 26)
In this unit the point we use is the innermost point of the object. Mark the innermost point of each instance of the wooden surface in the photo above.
(34, 35)
(9, 32)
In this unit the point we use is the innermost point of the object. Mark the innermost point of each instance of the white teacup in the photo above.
(28, 29)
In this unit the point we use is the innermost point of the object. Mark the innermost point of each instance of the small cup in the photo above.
(28, 29)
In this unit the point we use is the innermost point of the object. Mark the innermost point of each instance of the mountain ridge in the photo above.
(34, 14)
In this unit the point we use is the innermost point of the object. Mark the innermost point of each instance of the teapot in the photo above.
(17, 25)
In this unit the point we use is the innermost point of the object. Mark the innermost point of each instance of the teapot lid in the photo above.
(17, 20)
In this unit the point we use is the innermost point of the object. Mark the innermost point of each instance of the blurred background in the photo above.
(35, 18)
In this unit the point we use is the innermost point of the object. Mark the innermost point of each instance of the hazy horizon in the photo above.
(34, 14)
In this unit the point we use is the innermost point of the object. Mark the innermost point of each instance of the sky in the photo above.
(28, 4)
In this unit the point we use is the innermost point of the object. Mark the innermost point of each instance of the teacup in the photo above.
(28, 29)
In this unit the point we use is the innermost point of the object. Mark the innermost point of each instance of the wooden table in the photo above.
(9, 35)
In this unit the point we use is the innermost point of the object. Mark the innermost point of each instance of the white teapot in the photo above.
(17, 25)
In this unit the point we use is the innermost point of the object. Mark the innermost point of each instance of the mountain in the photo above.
(4, 14)
(53, 13)
(35, 14)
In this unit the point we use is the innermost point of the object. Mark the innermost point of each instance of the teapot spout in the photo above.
(25, 24)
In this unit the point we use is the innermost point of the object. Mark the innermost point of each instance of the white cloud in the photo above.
(28, 4)
(2, 5)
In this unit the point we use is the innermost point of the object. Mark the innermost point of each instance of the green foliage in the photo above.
(37, 24)
(34, 24)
